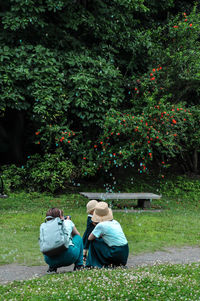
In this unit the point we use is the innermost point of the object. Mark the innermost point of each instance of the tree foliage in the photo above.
(77, 69)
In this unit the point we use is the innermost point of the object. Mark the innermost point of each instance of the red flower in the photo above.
(95, 146)
(37, 133)
(69, 141)
(118, 134)
(153, 70)
(135, 89)
(191, 25)
(174, 121)
(175, 26)
(84, 158)
(101, 142)
(153, 78)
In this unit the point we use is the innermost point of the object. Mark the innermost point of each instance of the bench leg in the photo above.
(144, 204)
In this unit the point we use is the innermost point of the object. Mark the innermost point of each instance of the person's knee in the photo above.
(77, 240)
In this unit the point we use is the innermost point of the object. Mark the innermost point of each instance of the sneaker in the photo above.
(124, 267)
(89, 267)
(51, 270)
(78, 267)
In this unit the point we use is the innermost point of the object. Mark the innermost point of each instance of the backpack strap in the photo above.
(48, 218)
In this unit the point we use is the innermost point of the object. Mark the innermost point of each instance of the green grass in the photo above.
(177, 224)
(163, 282)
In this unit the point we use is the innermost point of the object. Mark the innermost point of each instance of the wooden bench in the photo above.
(144, 198)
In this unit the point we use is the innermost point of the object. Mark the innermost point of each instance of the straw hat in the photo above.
(102, 213)
(91, 205)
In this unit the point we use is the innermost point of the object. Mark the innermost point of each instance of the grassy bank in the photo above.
(164, 282)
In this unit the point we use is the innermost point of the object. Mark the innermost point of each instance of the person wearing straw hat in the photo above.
(90, 227)
(109, 246)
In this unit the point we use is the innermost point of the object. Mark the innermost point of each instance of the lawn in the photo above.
(176, 224)
(145, 232)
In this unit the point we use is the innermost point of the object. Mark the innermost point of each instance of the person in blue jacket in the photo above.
(74, 253)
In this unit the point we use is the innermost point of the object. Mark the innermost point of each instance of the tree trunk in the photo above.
(195, 161)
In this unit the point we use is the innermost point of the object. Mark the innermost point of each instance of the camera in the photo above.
(67, 217)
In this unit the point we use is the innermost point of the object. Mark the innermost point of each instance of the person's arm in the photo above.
(75, 231)
(91, 237)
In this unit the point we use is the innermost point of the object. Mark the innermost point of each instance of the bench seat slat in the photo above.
(120, 196)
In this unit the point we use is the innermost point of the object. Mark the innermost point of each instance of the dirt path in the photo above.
(11, 272)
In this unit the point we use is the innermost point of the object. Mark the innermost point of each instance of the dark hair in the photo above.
(54, 212)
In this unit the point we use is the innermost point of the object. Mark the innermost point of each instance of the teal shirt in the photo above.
(111, 232)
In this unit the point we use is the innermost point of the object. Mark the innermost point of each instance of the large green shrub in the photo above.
(66, 64)
(51, 173)
(162, 132)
